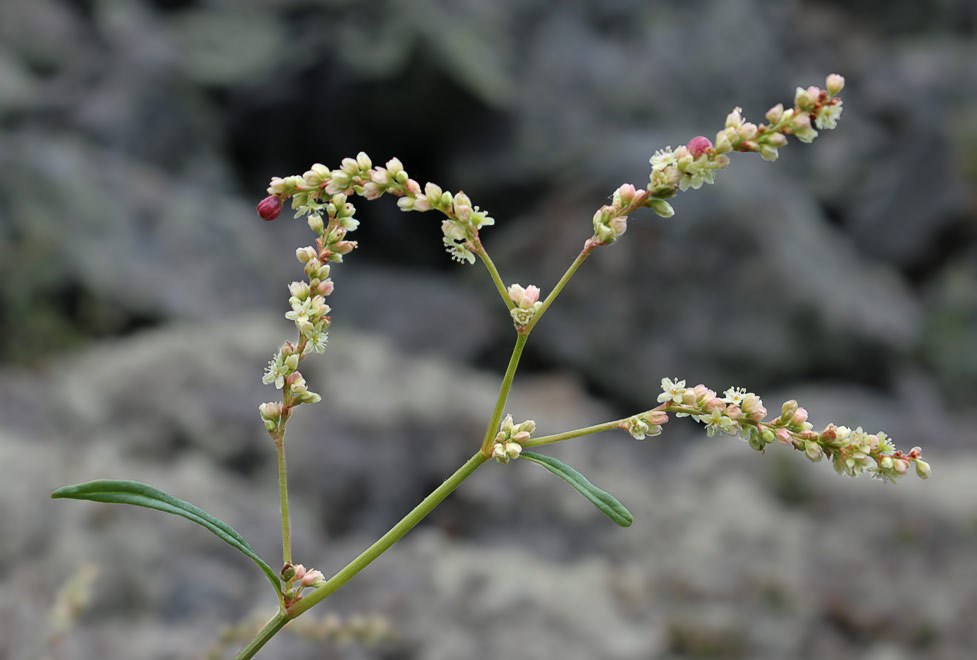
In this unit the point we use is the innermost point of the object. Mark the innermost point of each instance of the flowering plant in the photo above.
(321, 196)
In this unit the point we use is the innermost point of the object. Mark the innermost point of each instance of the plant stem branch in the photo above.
(493, 271)
(283, 496)
(387, 540)
(510, 372)
(584, 253)
(275, 624)
(576, 433)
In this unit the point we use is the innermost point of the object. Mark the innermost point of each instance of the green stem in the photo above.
(387, 540)
(576, 433)
(510, 372)
(283, 495)
(275, 624)
(584, 253)
(487, 260)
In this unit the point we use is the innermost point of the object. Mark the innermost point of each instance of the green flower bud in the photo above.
(923, 469)
(315, 223)
(662, 208)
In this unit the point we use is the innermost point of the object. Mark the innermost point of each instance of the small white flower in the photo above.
(735, 395)
(717, 421)
(276, 372)
(318, 337)
(828, 117)
(662, 159)
(458, 251)
(671, 391)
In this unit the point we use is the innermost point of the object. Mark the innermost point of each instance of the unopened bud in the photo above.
(315, 223)
(344, 247)
(513, 449)
(324, 287)
(662, 208)
(270, 207)
(748, 131)
(699, 145)
(813, 451)
(626, 194)
(834, 83)
(363, 161)
(788, 410)
(923, 469)
(805, 98)
(775, 114)
(768, 153)
(313, 578)
(299, 290)
(619, 225)
(306, 254)
(395, 167)
(657, 417)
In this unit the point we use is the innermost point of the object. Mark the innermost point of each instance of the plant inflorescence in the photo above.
(322, 197)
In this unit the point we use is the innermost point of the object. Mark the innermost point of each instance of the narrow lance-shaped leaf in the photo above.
(119, 491)
(603, 500)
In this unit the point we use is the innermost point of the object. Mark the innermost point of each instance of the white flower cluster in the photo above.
(739, 412)
(526, 301)
(645, 424)
(463, 221)
(510, 439)
(695, 164)
(357, 175)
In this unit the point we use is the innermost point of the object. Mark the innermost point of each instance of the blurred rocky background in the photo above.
(140, 297)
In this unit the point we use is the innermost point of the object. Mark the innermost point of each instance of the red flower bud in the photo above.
(699, 145)
(270, 207)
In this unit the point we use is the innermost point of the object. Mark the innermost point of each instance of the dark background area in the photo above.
(140, 297)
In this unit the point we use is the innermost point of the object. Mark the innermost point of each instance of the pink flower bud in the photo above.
(657, 417)
(619, 225)
(344, 247)
(325, 287)
(270, 207)
(783, 436)
(800, 416)
(699, 145)
(626, 192)
(313, 578)
(714, 404)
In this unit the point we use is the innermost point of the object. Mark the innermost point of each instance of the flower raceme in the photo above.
(738, 412)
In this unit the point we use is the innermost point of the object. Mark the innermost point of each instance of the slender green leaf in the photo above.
(119, 491)
(603, 500)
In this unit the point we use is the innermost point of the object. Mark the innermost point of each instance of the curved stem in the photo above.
(510, 373)
(584, 253)
(387, 540)
(576, 433)
(275, 624)
(490, 265)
